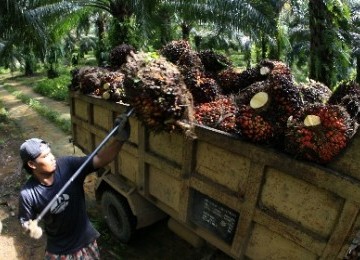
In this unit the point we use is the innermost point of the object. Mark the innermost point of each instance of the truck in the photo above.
(247, 200)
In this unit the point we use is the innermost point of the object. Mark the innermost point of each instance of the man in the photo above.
(70, 235)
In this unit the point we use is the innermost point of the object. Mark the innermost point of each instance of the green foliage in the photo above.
(56, 88)
(3, 114)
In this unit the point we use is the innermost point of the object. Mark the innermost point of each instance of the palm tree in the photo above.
(329, 53)
(25, 26)
(355, 35)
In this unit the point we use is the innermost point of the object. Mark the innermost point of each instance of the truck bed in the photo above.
(247, 200)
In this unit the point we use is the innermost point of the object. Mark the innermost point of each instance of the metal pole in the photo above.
(91, 156)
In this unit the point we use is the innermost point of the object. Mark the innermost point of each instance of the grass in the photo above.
(56, 88)
(53, 116)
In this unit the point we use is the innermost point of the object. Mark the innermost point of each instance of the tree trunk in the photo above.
(321, 60)
(185, 29)
(100, 48)
(30, 62)
(358, 69)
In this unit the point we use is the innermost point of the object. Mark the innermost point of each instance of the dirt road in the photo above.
(155, 242)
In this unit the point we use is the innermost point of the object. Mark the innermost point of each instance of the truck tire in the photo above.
(118, 216)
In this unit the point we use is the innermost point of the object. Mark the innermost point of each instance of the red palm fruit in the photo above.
(118, 54)
(254, 126)
(213, 61)
(319, 132)
(219, 114)
(174, 49)
(203, 89)
(315, 92)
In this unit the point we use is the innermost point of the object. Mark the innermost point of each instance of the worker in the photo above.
(70, 235)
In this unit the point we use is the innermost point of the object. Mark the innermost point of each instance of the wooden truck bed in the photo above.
(247, 200)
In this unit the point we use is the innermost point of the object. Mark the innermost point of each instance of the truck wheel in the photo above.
(118, 215)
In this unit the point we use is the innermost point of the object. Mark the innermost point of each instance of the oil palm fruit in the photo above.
(228, 80)
(319, 132)
(174, 49)
(117, 55)
(219, 114)
(188, 60)
(347, 94)
(315, 92)
(214, 62)
(155, 88)
(202, 88)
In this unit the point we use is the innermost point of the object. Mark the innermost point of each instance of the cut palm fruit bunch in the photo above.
(275, 68)
(314, 92)
(219, 114)
(264, 108)
(88, 84)
(214, 62)
(100, 82)
(262, 71)
(285, 100)
(229, 81)
(155, 88)
(189, 60)
(347, 95)
(117, 55)
(202, 88)
(112, 87)
(346, 88)
(254, 126)
(252, 120)
(319, 132)
(174, 49)
(245, 95)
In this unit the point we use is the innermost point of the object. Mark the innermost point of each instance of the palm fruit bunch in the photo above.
(262, 71)
(245, 95)
(219, 114)
(112, 87)
(90, 80)
(319, 132)
(347, 94)
(117, 55)
(274, 68)
(264, 108)
(252, 120)
(188, 60)
(285, 99)
(174, 49)
(254, 125)
(214, 62)
(229, 82)
(315, 92)
(84, 85)
(202, 88)
(344, 89)
(155, 88)
(250, 76)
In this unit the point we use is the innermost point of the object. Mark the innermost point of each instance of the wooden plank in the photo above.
(186, 170)
(343, 227)
(290, 231)
(242, 234)
(141, 178)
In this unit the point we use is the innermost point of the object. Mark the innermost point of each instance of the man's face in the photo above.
(45, 162)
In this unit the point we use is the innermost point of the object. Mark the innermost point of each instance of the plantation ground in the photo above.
(154, 242)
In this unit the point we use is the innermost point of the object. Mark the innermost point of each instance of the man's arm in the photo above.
(107, 154)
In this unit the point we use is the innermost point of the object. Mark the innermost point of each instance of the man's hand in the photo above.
(123, 132)
(31, 227)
